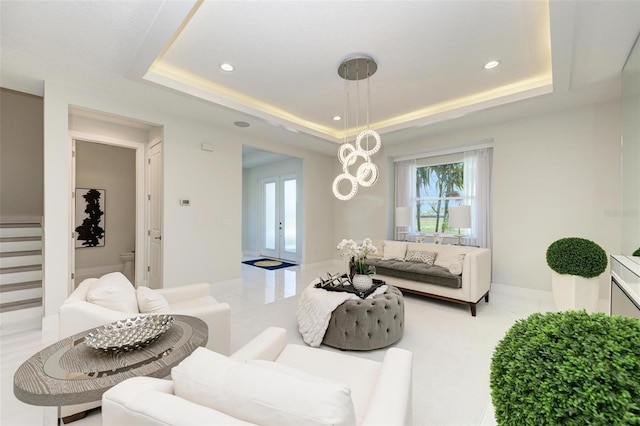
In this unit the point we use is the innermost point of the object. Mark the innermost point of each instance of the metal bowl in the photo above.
(129, 334)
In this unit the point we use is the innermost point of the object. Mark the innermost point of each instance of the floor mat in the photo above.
(270, 264)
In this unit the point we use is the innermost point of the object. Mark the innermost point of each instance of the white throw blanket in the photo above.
(315, 307)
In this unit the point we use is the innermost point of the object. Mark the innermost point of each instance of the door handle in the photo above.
(157, 238)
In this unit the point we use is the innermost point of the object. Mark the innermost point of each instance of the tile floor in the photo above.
(250, 296)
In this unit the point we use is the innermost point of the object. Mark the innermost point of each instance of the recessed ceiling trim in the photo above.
(172, 16)
(501, 95)
(204, 89)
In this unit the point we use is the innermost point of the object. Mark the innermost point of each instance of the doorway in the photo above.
(279, 217)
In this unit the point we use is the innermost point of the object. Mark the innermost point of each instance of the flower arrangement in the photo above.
(358, 254)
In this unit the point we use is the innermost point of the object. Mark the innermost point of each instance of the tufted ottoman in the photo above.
(366, 324)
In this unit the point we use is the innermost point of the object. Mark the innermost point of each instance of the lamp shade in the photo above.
(403, 216)
(460, 217)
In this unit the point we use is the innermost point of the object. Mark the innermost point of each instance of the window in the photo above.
(438, 187)
(431, 186)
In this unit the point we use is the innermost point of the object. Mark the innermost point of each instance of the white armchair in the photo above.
(293, 384)
(77, 314)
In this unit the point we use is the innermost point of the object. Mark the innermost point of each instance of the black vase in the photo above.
(352, 269)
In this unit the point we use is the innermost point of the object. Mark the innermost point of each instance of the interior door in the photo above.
(72, 252)
(279, 217)
(155, 216)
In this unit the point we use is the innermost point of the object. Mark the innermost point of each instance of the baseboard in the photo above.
(543, 295)
(525, 292)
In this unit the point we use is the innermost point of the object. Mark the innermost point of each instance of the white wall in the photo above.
(201, 242)
(21, 177)
(555, 175)
(251, 201)
(113, 169)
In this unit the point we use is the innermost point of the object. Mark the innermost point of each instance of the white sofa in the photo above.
(460, 274)
(293, 385)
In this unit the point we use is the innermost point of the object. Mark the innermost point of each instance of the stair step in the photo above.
(7, 262)
(18, 239)
(21, 253)
(20, 244)
(20, 277)
(21, 304)
(19, 225)
(20, 295)
(22, 231)
(17, 269)
(20, 286)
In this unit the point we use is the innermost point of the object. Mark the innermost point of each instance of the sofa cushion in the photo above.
(151, 301)
(450, 254)
(423, 256)
(114, 291)
(394, 250)
(262, 392)
(415, 271)
(379, 245)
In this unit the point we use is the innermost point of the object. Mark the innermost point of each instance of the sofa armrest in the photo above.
(79, 316)
(148, 401)
(266, 346)
(185, 292)
(391, 401)
(217, 316)
(478, 271)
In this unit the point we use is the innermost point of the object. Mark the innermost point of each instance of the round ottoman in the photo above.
(366, 324)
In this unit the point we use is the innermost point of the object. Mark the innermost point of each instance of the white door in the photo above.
(72, 257)
(279, 217)
(155, 216)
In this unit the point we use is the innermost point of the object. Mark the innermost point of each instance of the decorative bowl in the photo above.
(129, 334)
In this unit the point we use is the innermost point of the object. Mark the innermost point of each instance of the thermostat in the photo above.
(185, 202)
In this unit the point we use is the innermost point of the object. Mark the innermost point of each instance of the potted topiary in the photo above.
(568, 368)
(575, 266)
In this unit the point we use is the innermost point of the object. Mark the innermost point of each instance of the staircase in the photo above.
(20, 276)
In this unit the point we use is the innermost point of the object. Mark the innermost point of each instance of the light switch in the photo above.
(185, 202)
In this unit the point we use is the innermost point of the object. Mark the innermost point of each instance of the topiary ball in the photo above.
(568, 368)
(637, 252)
(577, 256)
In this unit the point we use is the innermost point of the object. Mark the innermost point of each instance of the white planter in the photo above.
(362, 282)
(571, 292)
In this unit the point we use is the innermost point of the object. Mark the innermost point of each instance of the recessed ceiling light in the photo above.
(491, 65)
(337, 118)
(226, 67)
(241, 124)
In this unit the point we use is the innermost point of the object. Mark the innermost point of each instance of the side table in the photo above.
(69, 372)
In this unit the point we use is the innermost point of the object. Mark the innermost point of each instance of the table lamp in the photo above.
(403, 219)
(460, 217)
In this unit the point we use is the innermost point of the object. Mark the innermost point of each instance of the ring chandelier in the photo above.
(367, 172)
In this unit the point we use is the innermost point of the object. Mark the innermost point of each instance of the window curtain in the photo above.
(477, 190)
(405, 173)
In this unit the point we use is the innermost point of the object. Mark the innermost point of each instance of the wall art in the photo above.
(90, 217)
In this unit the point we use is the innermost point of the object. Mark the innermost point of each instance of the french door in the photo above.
(279, 201)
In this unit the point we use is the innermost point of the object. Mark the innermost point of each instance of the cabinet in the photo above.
(624, 296)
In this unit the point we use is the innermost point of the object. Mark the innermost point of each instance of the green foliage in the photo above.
(568, 368)
(637, 252)
(577, 256)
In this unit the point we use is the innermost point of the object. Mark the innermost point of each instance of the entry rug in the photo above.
(269, 264)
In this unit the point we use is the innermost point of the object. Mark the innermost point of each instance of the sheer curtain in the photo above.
(405, 173)
(477, 189)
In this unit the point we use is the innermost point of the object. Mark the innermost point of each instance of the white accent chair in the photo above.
(77, 314)
(376, 393)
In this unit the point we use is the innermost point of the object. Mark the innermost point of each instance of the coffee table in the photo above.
(69, 372)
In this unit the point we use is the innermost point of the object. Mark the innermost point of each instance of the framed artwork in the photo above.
(90, 217)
